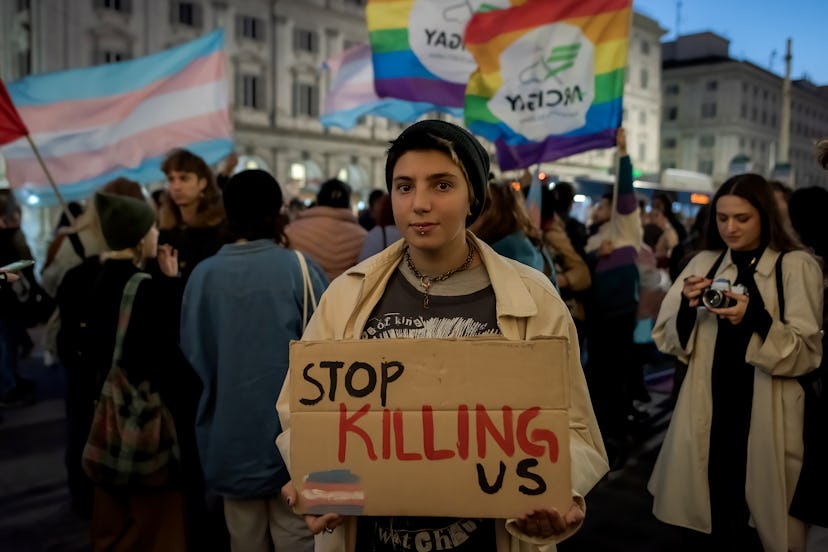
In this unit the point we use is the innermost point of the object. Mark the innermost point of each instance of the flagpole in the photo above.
(62, 201)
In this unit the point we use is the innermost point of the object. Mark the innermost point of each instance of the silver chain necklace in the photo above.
(426, 281)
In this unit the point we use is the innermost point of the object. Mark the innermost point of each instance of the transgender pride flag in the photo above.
(550, 78)
(418, 49)
(352, 93)
(94, 124)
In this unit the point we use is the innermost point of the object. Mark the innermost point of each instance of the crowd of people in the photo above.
(185, 304)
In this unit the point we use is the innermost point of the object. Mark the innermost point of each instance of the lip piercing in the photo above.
(422, 233)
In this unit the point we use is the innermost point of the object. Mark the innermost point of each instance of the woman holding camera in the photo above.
(733, 452)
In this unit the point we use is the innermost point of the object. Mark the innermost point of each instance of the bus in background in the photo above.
(689, 190)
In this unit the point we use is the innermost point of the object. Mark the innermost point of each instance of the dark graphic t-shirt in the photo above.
(464, 306)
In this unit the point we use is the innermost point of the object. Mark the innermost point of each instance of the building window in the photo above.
(712, 85)
(187, 14)
(773, 120)
(744, 111)
(642, 151)
(645, 47)
(305, 41)
(764, 117)
(753, 114)
(642, 118)
(708, 110)
(252, 91)
(305, 100)
(23, 5)
(124, 6)
(742, 142)
(109, 56)
(706, 166)
(672, 113)
(24, 62)
(671, 90)
(645, 78)
(707, 141)
(624, 115)
(249, 27)
(669, 143)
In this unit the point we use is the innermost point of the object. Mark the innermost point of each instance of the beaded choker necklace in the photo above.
(426, 281)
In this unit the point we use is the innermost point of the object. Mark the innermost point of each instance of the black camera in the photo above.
(714, 298)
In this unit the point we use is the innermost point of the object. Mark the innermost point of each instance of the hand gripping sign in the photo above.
(472, 427)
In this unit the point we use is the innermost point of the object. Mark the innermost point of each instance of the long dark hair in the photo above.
(667, 202)
(754, 189)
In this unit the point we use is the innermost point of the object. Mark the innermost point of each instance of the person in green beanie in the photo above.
(132, 518)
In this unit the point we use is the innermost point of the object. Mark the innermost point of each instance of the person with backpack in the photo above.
(733, 452)
(133, 323)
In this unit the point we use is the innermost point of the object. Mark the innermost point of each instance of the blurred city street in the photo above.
(35, 513)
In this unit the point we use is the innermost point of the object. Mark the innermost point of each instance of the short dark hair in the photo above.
(210, 200)
(458, 143)
(334, 193)
(186, 161)
(253, 203)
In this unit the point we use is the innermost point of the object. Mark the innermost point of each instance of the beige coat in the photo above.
(679, 480)
(528, 306)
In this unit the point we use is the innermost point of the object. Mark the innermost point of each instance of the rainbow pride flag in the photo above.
(550, 78)
(418, 51)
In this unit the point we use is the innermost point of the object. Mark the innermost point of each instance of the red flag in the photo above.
(11, 125)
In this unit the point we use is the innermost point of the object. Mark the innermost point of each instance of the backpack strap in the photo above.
(127, 301)
(307, 289)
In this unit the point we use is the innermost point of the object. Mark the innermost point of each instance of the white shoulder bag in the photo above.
(307, 289)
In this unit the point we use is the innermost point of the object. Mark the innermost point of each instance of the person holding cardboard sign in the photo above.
(440, 281)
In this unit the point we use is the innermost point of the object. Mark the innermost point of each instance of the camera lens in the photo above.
(713, 298)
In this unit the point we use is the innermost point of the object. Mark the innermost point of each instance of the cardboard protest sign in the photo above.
(473, 427)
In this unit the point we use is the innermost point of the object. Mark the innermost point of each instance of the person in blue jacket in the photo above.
(241, 309)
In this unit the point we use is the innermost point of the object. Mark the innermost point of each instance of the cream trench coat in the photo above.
(528, 306)
(679, 480)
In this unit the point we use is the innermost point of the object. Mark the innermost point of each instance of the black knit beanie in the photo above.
(252, 195)
(124, 220)
(420, 137)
